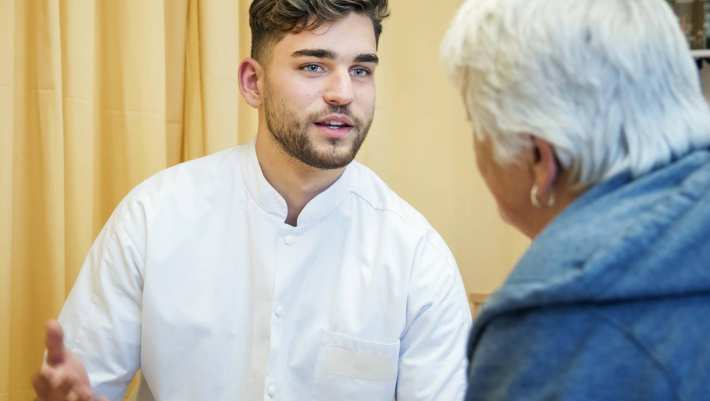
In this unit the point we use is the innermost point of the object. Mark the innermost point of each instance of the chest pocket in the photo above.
(351, 369)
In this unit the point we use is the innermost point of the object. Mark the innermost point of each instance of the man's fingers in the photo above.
(85, 394)
(55, 343)
(43, 381)
(71, 397)
(41, 385)
(67, 384)
(62, 386)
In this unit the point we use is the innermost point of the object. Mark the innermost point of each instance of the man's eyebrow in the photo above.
(329, 54)
(317, 53)
(367, 58)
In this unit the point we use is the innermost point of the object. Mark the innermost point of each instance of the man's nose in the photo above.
(339, 91)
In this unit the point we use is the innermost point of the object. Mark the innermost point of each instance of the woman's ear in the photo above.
(251, 81)
(545, 167)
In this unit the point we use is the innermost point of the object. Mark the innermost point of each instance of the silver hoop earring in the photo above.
(534, 198)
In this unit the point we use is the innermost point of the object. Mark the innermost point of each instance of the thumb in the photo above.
(55, 343)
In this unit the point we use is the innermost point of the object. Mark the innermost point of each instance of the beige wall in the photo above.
(420, 144)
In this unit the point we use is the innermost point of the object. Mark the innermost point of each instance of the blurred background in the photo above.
(97, 95)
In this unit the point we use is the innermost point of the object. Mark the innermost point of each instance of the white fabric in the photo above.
(197, 280)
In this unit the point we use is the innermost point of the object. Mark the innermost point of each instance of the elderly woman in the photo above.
(592, 134)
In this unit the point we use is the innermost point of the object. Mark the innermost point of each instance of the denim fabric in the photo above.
(611, 301)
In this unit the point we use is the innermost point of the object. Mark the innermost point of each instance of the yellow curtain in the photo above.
(96, 95)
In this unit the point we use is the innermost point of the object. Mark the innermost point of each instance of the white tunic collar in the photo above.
(270, 201)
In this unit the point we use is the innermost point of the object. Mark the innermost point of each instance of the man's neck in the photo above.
(296, 181)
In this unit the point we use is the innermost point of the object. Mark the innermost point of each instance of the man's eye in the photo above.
(312, 68)
(360, 72)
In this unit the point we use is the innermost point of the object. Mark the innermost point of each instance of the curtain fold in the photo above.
(95, 96)
(7, 71)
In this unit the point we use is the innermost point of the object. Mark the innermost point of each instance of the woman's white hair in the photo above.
(610, 84)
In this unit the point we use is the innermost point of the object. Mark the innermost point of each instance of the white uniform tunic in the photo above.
(197, 280)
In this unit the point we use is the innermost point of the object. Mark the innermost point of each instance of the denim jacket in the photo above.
(610, 302)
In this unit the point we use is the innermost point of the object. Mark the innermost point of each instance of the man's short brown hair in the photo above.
(271, 20)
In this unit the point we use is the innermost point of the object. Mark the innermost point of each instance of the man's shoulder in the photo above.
(213, 166)
(373, 194)
(382, 209)
(197, 178)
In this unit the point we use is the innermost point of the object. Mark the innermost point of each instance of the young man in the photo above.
(276, 270)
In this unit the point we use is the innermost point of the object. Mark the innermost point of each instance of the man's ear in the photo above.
(251, 76)
(545, 168)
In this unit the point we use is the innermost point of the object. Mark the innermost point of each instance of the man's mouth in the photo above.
(335, 121)
(333, 125)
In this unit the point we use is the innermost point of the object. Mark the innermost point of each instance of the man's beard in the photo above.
(292, 134)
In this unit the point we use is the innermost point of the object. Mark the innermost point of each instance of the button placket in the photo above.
(282, 260)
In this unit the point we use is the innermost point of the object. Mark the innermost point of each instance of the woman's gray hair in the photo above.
(610, 84)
